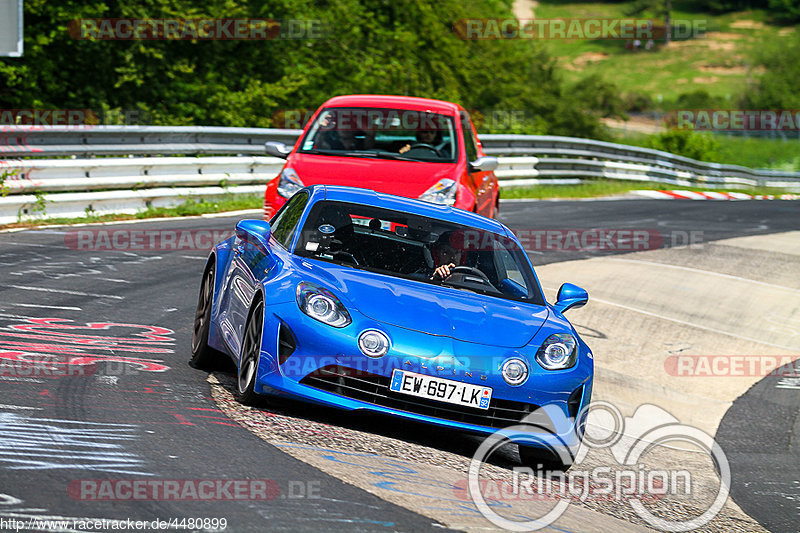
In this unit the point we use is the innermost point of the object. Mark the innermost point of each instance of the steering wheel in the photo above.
(470, 270)
(425, 147)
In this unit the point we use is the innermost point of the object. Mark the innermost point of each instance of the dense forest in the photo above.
(358, 46)
(365, 46)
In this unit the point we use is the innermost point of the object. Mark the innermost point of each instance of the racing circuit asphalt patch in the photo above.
(426, 470)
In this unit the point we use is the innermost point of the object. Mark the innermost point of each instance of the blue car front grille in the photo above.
(374, 389)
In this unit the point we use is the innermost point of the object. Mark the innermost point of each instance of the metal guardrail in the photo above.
(83, 180)
(91, 141)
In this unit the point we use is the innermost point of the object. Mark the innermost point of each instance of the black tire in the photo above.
(203, 355)
(544, 459)
(248, 365)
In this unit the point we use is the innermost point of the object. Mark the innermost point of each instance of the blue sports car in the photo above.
(360, 300)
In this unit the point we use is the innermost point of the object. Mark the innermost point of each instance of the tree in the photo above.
(659, 7)
(369, 46)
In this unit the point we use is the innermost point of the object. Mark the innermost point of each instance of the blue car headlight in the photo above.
(320, 304)
(557, 352)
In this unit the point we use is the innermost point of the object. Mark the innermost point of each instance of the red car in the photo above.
(414, 147)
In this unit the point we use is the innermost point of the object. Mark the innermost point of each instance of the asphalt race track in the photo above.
(678, 222)
(760, 435)
(94, 341)
(135, 409)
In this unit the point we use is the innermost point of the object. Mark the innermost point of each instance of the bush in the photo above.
(777, 87)
(636, 102)
(699, 99)
(687, 143)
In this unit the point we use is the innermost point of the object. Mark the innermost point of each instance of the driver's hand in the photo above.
(443, 271)
(405, 149)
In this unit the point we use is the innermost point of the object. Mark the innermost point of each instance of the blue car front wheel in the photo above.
(248, 362)
(203, 355)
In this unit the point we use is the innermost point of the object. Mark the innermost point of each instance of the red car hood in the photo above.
(403, 178)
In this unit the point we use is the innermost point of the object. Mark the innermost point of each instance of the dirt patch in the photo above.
(747, 25)
(693, 43)
(589, 57)
(724, 45)
(524, 9)
(704, 79)
(718, 69)
(724, 36)
(638, 123)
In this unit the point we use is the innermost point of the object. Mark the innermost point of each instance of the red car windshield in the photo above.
(400, 134)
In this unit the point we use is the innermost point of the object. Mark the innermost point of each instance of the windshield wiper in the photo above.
(392, 155)
(343, 153)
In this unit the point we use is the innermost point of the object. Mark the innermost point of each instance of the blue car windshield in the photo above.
(399, 134)
(410, 246)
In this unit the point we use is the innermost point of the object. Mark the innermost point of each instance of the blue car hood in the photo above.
(439, 310)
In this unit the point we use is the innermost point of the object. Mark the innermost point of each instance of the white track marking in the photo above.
(700, 271)
(61, 291)
(47, 306)
(28, 244)
(687, 323)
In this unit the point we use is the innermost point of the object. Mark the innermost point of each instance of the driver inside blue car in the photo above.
(446, 256)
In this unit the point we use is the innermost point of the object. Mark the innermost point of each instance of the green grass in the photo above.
(751, 152)
(599, 188)
(188, 208)
(720, 62)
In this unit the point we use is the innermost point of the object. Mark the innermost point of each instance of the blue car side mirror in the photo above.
(255, 232)
(570, 296)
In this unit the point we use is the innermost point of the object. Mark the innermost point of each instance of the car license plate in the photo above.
(443, 390)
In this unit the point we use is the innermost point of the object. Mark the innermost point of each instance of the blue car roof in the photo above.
(408, 205)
